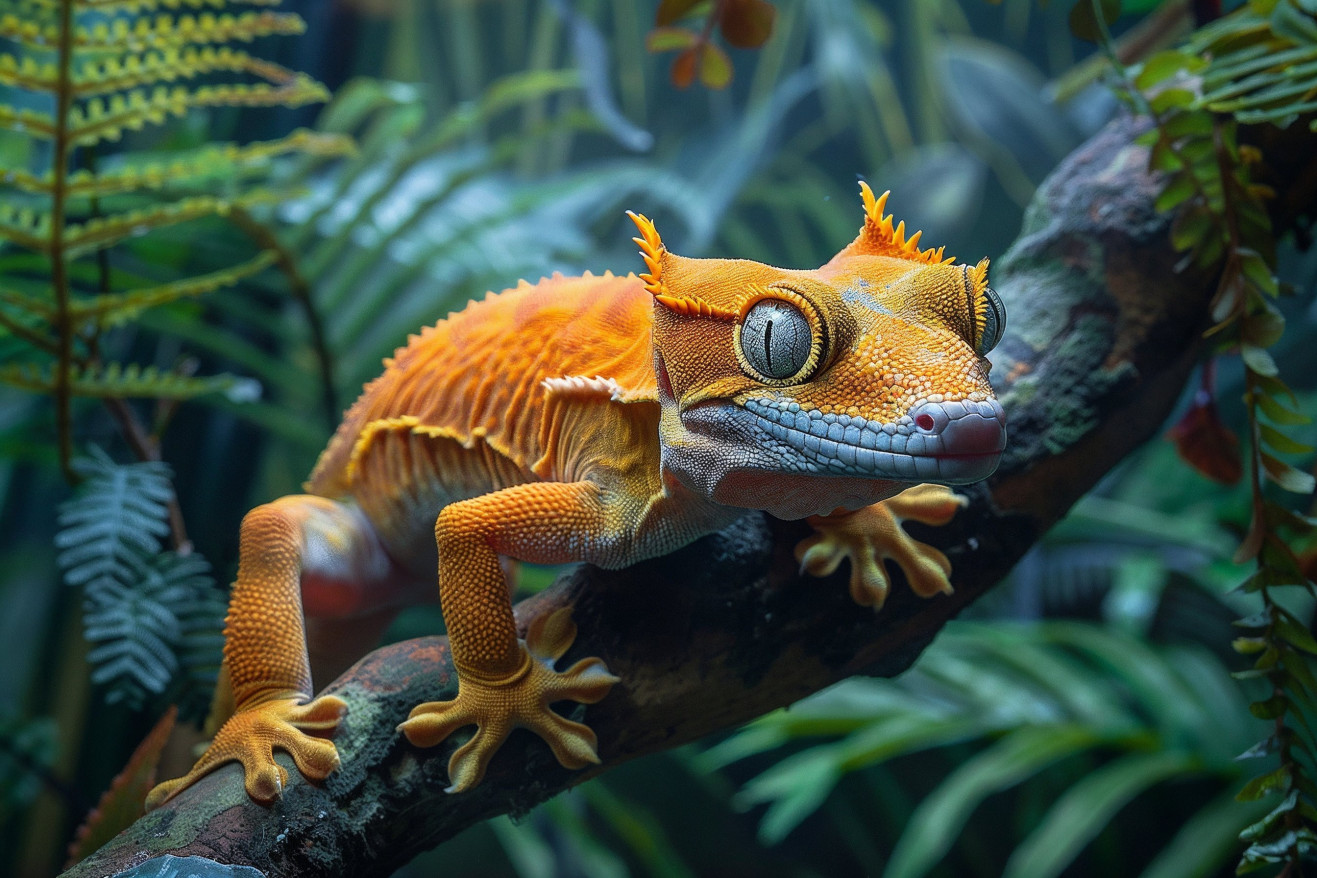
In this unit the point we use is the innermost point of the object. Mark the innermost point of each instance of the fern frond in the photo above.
(27, 72)
(134, 35)
(118, 308)
(131, 380)
(118, 515)
(99, 120)
(131, 644)
(29, 31)
(162, 603)
(152, 5)
(116, 73)
(27, 122)
(102, 232)
(220, 160)
(29, 305)
(25, 227)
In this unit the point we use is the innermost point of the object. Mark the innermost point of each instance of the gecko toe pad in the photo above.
(522, 699)
(251, 736)
(872, 535)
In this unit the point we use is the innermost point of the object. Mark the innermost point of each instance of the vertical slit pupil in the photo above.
(768, 342)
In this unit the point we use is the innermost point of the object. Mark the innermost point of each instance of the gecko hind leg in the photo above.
(282, 545)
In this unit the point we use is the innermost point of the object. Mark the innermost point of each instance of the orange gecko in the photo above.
(610, 419)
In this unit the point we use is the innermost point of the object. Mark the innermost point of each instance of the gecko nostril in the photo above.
(925, 422)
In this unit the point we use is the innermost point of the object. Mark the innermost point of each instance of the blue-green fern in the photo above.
(151, 616)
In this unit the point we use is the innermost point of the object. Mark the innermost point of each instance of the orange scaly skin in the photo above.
(610, 419)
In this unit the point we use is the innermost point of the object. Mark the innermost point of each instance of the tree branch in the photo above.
(1104, 330)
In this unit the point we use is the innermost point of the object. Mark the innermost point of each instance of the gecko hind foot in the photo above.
(522, 699)
(252, 735)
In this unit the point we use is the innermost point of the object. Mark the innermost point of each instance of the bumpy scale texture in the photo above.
(608, 419)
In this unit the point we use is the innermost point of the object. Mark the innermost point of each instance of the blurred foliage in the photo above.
(1084, 721)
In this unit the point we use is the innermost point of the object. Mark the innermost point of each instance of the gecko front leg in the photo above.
(504, 682)
(869, 536)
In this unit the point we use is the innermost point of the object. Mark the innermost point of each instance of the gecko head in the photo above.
(870, 371)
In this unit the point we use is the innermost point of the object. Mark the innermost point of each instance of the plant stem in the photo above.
(301, 290)
(59, 278)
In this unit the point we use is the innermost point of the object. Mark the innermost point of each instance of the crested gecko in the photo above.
(609, 419)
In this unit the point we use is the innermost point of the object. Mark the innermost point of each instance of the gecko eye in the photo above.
(994, 322)
(776, 339)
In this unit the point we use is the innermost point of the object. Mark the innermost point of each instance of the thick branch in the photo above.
(1103, 333)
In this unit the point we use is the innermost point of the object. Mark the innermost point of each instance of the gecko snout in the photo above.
(966, 437)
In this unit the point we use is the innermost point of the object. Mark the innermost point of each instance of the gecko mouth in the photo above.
(953, 443)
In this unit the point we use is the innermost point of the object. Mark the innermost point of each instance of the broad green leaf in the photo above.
(1181, 188)
(1288, 477)
(1259, 360)
(1085, 808)
(670, 39)
(715, 67)
(1171, 99)
(1281, 413)
(1204, 843)
(1272, 781)
(1278, 441)
(941, 816)
(1162, 65)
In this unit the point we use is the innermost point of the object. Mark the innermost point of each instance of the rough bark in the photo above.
(1104, 330)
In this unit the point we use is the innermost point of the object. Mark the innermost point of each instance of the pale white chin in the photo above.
(729, 459)
(790, 497)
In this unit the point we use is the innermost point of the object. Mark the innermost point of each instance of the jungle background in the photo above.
(252, 251)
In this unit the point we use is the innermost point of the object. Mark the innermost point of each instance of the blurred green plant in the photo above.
(1115, 714)
(99, 70)
(83, 74)
(1257, 65)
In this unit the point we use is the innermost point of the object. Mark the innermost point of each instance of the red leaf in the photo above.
(747, 24)
(683, 68)
(122, 803)
(1207, 444)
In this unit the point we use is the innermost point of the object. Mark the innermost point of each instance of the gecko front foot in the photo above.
(252, 735)
(869, 536)
(522, 699)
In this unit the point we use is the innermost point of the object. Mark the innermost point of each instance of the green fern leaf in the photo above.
(170, 65)
(118, 308)
(27, 122)
(25, 227)
(28, 305)
(131, 650)
(26, 73)
(222, 161)
(29, 31)
(118, 515)
(101, 120)
(153, 5)
(135, 35)
(97, 234)
(117, 380)
(145, 636)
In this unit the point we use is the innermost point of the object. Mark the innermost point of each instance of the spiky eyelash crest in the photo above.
(882, 236)
(652, 251)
